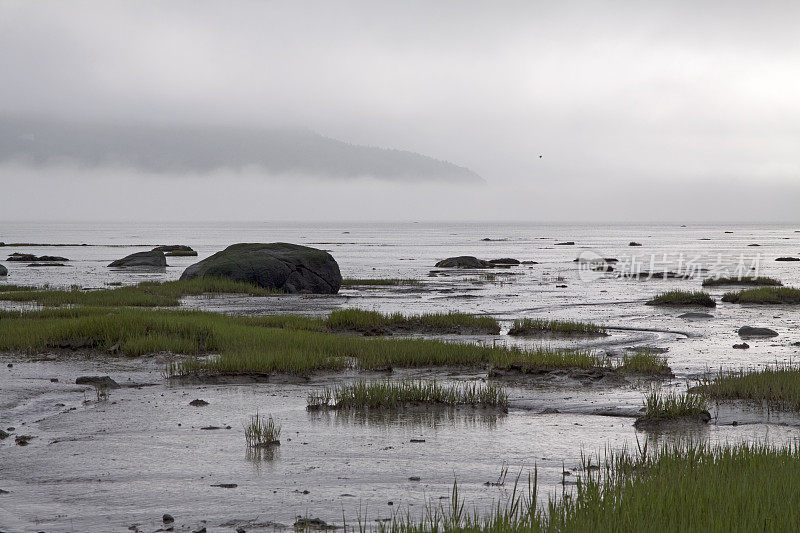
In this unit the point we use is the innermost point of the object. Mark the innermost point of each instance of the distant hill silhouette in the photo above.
(175, 149)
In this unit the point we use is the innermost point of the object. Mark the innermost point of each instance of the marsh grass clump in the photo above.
(743, 280)
(216, 344)
(667, 407)
(262, 432)
(678, 487)
(380, 282)
(529, 326)
(372, 322)
(776, 385)
(392, 395)
(145, 294)
(645, 362)
(764, 295)
(684, 298)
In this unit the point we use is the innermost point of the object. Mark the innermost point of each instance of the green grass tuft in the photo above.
(777, 385)
(528, 326)
(378, 323)
(645, 362)
(390, 395)
(683, 298)
(673, 406)
(145, 294)
(764, 295)
(261, 432)
(743, 280)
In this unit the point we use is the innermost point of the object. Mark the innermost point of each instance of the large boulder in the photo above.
(3, 271)
(464, 261)
(278, 265)
(142, 259)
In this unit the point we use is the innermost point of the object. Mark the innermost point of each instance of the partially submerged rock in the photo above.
(750, 331)
(742, 346)
(288, 267)
(3, 271)
(634, 243)
(505, 261)
(649, 423)
(97, 381)
(464, 261)
(34, 258)
(175, 250)
(198, 403)
(566, 243)
(788, 259)
(153, 259)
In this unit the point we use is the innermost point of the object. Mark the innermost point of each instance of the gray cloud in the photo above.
(688, 108)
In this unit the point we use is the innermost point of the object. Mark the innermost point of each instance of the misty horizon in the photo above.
(576, 112)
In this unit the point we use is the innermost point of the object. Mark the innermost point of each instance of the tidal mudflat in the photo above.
(591, 361)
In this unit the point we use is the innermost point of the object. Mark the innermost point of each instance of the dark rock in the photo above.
(603, 268)
(181, 253)
(742, 346)
(4, 435)
(304, 524)
(417, 441)
(3, 271)
(749, 331)
(530, 262)
(288, 267)
(695, 315)
(47, 265)
(752, 245)
(634, 243)
(505, 261)
(142, 259)
(561, 286)
(33, 258)
(226, 485)
(173, 248)
(463, 261)
(53, 380)
(567, 243)
(414, 478)
(788, 259)
(23, 440)
(198, 403)
(201, 530)
(97, 381)
(167, 518)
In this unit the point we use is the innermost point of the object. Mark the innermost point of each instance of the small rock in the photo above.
(414, 478)
(4, 435)
(198, 403)
(226, 485)
(634, 243)
(10, 365)
(417, 440)
(310, 523)
(53, 380)
(23, 440)
(97, 381)
(742, 346)
(167, 518)
(567, 243)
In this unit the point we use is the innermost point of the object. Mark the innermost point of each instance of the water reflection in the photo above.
(433, 418)
(259, 455)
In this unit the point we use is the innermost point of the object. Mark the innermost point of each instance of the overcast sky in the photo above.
(641, 110)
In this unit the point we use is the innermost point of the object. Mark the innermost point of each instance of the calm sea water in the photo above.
(397, 250)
